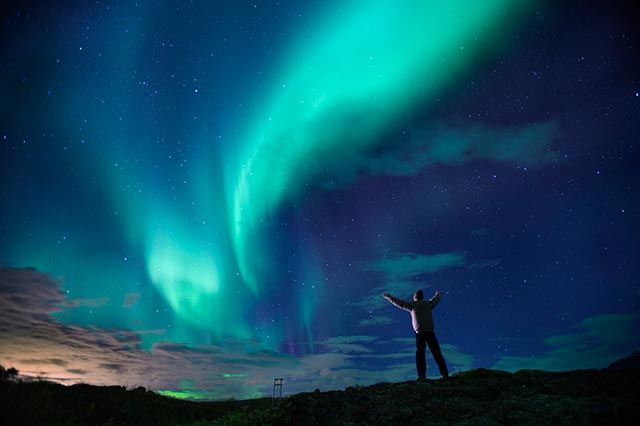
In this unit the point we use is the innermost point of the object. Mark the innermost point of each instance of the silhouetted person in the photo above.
(422, 321)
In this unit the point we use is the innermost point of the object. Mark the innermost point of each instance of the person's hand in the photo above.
(437, 292)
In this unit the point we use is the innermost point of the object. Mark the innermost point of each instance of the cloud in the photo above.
(86, 303)
(456, 360)
(53, 361)
(375, 321)
(595, 342)
(374, 300)
(37, 344)
(351, 339)
(399, 271)
(116, 368)
(130, 300)
(42, 296)
(400, 266)
(438, 143)
(405, 349)
(348, 344)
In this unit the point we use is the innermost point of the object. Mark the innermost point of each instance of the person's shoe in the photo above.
(421, 379)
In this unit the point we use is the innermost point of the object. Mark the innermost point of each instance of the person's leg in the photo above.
(434, 347)
(421, 360)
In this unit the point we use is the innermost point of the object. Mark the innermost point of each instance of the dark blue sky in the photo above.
(200, 196)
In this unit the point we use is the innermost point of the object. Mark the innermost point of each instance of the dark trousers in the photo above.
(422, 340)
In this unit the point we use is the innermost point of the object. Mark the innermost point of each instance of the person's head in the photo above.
(418, 295)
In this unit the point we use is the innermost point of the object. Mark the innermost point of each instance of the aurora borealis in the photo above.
(366, 68)
(201, 196)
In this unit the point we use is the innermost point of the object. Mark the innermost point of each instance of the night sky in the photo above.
(199, 197)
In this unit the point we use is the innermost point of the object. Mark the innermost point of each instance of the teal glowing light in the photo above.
(347, 86)
(179, 394)
(233, 376)
(185, 273)
(196, 225)
(189, 269)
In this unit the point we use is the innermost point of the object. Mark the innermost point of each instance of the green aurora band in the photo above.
(345, 85)
(349, 84)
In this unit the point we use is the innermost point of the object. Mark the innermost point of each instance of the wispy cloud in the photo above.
(130, 300)
(456, 359)
(39, 345)
(86, 303)
(405, 349)
(348, 344)
(373, 303)
(398, 272)
(595, 342)
(438, 143)
(400, 266)
(375, 321)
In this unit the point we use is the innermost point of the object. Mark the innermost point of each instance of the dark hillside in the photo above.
(46, 403)
(483, 397)
(477, 397)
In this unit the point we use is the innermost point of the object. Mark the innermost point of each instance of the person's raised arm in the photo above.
(435, 299)
(397, 302)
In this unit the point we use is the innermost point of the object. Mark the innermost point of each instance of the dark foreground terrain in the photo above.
(477, 397)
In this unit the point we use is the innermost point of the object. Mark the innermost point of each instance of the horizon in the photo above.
(181, 396)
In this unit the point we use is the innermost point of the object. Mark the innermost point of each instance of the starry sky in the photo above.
(199, 197)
